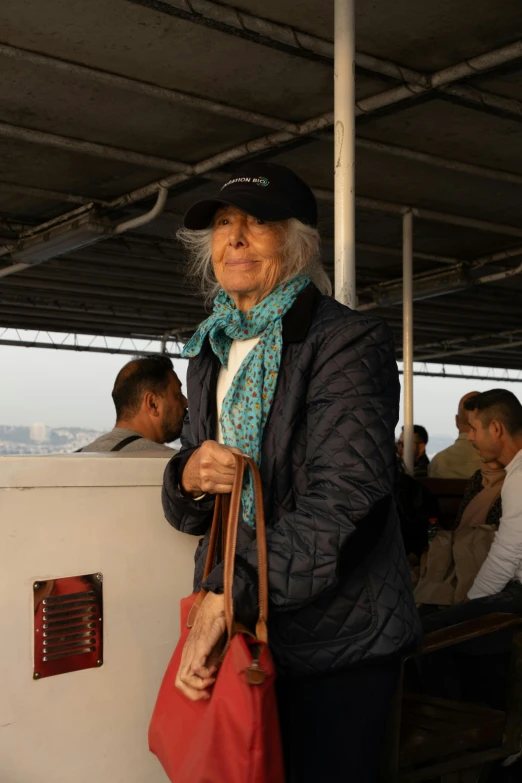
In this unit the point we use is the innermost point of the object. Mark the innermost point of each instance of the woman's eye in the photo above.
(260, 222)
(223, 221)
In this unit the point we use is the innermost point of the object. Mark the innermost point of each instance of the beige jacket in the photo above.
(458, 461)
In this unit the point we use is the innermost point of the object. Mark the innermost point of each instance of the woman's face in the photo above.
(246, 254)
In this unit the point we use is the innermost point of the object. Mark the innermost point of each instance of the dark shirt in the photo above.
(416, 506)
(421, 467)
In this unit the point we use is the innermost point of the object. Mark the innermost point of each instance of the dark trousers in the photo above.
(509, 600)
(477, 670)
(332, 726)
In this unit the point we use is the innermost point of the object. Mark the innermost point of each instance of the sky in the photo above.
(71, 389)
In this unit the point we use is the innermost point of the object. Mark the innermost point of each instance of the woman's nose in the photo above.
(236, 239)
(237, 235)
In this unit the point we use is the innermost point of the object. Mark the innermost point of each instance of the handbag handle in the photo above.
(217, 530)
(226, 520)
(243, 461)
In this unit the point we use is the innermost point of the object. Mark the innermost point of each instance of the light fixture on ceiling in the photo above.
(70, 232)
(83, 229)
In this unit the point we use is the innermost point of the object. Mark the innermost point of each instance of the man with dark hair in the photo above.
(460, 460)
(420, 441)
(150, 408)
(495, 419)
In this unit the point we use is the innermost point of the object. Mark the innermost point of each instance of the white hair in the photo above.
(301, 253)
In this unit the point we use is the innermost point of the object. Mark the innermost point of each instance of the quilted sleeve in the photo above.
(352, 410)
(183, 512)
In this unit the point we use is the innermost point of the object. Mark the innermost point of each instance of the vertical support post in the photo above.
(344, 162)
(164, 341)
(407, 337)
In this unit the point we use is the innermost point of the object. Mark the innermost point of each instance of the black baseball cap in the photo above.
(266, 191)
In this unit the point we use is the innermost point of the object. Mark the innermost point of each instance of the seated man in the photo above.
(150, 408)
(420, 441)
(496, 432)
(460, 460)
(477, 669)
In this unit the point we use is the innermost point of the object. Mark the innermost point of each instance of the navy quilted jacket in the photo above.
(339, 584)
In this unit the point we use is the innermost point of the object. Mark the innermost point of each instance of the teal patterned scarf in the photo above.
(247, 403)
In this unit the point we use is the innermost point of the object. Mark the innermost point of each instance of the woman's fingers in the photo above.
(205, 672)
(196, 682)
(210, 469)
(194, 694)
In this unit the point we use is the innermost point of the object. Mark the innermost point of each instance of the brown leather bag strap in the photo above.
(215, 534)
(262, 561)
(231, 543)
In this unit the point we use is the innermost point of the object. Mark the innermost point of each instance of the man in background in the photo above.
(479, 668)
(420, 441)
(496, 433)
(150, 408)
(460, 460)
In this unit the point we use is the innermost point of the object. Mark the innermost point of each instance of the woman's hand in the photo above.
(210, 469)
(196, 670)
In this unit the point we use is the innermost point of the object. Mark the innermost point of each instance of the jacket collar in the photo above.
(297, 320)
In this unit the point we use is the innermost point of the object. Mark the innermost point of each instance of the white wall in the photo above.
(80, 514)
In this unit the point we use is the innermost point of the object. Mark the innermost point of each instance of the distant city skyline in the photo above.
(68, 389)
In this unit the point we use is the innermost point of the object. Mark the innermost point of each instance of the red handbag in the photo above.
(233, 737)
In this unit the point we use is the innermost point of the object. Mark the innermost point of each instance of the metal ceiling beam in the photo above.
(87, 319)
(92, 304)
(482, 100)
(392, 208)
(438, 282)
(166, 94)
(494, 258)
(479, 376)
(135, 343)
(473, 97)
(103, 328)
(390, 97)
(439, 162)
(91, 148)
(46, 195)
(86, 349)
(270, 141)
(469, 351)
(443, 78)
(397, 252)
(84, 261)
(84, 288)
(457, 341)
(63, 295)
(233, 21)
(437, 80)
(241, 24)
(90, 310)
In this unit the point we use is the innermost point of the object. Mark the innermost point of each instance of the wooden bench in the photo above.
(433, 739)
(449, 494)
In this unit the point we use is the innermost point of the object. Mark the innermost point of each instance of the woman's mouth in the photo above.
(244, 263)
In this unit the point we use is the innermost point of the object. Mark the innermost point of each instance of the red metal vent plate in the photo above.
(68, 623)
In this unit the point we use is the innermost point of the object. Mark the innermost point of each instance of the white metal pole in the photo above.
(344, 163)
(407, 327)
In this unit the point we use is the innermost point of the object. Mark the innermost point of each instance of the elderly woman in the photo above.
(309, 389)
